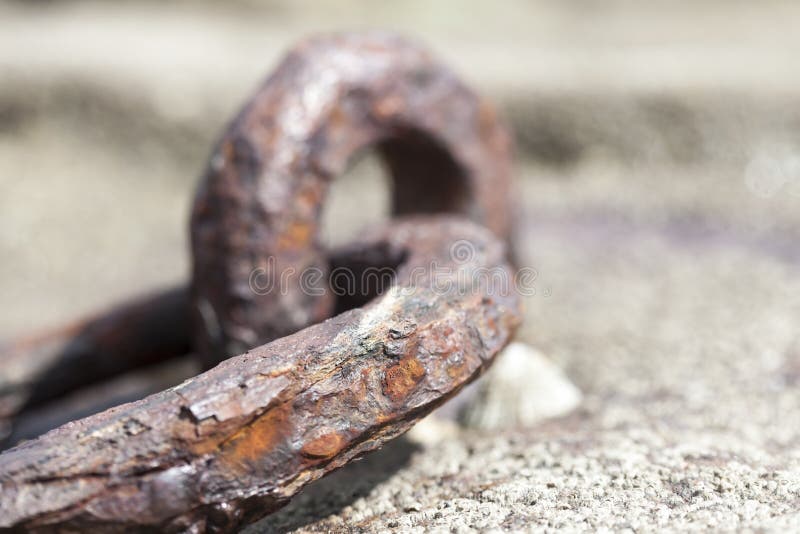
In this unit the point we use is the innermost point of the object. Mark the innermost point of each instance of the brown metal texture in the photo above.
(237, 442)
(258, 205)
(134, 334)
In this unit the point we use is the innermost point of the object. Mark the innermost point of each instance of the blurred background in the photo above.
(108, 112)
(658, 153)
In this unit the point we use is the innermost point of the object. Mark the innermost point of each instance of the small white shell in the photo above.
(521, 389)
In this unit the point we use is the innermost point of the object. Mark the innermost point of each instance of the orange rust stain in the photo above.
(227, 150)
(336, 115)
(325, 446)
(309, 197)
(400, 379)
(259, 438)
(459, 370)
(296, 236)
(388, 106)
(204, 447)
(487, 117)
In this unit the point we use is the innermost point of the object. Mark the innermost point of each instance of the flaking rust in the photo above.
(237, 442)
(259, 203)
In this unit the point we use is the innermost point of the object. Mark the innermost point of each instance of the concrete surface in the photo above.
(658, 190)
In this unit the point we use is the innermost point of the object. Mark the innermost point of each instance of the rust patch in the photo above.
(296, 236)
(325, 446)
(400, 379)
(259, 438)
(388, 107)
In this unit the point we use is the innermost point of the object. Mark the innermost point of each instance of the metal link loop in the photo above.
(259, 203)
(238, 441)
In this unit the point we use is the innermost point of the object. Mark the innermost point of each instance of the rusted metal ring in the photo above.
(258, 206)
(444, 146)
(238, 441)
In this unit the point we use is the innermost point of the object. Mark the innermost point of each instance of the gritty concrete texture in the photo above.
(658, 192)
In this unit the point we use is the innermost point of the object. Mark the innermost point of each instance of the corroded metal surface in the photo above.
(261, 197)
(238, 441)
(134, 334)
(258, 205)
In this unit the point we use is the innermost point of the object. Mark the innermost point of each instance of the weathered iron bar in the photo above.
(134, 334)
(237, 442)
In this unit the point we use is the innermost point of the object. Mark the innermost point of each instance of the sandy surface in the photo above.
(658, 190)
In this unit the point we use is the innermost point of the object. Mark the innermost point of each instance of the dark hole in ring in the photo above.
(425, 179)
(357, 276)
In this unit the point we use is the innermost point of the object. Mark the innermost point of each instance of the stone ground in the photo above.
(658, 187)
